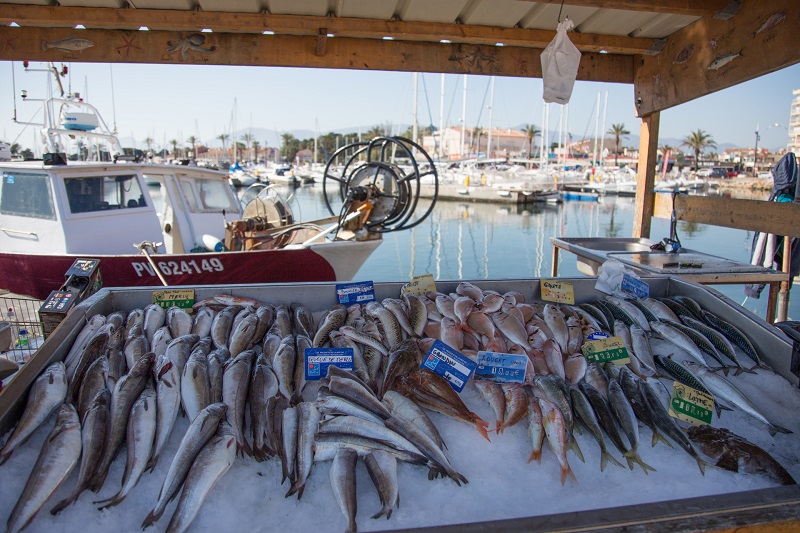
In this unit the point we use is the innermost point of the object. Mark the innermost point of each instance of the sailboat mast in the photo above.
(441, 119)
(491, 109)
(596, 125)
(233, 133)
(463, 116)
(414, 130)
(603, 138)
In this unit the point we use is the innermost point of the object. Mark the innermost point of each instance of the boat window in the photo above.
(102, 193)
(27, 195)
(203, 195)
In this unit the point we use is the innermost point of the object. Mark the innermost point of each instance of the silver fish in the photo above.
(140, 440)
(243, 334)
(93, 383)
(289, 430)
(417, 312)
(426, 445)
(283, 364)
(303, 320)
(80, 342)
(154, 318)
(721, 61)
(179, 322)
(200, 431)
(382, 469)
(202, 322)
(95, 348)
(71, 44)
(774, 19)
(343, 481)
(235, 382)
(351, 425)
(263, 386)
(221, 327)
(392, 332)
(47, 393)
(405, 408)
(307, 423)
(216, 369)
(178, 350)
(627, 419)
(161, 339)
(332, 405)
(215, 459)
(59, 455)
(283, 321)
(195, 389)
(332, 321)
(168, 402)
(135, 347)
(584, 412)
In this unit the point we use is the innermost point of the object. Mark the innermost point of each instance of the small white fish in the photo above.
(721, 61)
(71, 44)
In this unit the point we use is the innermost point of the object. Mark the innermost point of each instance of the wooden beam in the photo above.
(698, 8)
(117, 46)
(645, 179)
(712, 54)
(164, 19)
(778, 218)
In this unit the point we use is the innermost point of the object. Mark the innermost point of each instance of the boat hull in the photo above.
(38, 275)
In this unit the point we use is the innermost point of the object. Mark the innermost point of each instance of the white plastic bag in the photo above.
(614, 278)
(560, 60)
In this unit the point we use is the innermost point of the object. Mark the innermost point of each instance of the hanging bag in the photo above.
(560, 60)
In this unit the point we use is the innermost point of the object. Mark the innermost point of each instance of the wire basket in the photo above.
(21, 331)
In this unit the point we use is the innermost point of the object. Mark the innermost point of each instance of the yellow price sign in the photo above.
(690, 405)
(557, 291)
(183, 298)
(419, 285)
(611, 349)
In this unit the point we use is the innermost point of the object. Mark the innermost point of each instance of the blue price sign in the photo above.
(634, 286)
(597, 335)
(319, 359)
(450, 364)
(355, 293)
(501, 367)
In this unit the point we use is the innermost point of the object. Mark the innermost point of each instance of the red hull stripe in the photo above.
(38, 275)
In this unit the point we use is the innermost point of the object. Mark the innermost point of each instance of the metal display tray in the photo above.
(698, 513)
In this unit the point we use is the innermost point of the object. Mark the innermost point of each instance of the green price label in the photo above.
(690, 405)
(183, 298)
(611, 349)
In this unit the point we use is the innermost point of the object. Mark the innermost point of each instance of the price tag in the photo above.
(58, 301)
(635, 286)
(501, 367)
(557, 291)
(597, 335)
(183, 298)
(319, 359)
(690, 405)
(355, 293)
(450, 364)
(419, 285)
(610, 349)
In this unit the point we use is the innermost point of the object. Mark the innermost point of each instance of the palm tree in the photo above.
(247, 138)
(256, 145)
(376, 131)
(149, 142)
(698, 141)
(618, 131)
(476, 138)
(224, 138)
(193, 141)
(174, 144)
(531, 132)
(287, 139)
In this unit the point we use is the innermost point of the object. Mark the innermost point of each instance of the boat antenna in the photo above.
(14, 90)
(113, 101)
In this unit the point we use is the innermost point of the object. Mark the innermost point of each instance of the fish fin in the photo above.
(746, 370)
(481, 426)
(566, 472)
(4, 457)
(633, 457)
(773, 429)
(151, 519)
(577, 428)
(383, 512)
(612, 460)
(499, 427)
(573, 445)
(724, 369)
(110, 502)
(702, 464)
(657, 436)
(63, 504)
(245, 446)
(297, 487)
(151, 464)
(762, 365)
(536, 455)
(458, 478)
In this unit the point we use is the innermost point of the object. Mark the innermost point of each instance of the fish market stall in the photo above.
(508, 485)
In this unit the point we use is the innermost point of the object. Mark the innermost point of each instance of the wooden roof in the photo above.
(672, 50)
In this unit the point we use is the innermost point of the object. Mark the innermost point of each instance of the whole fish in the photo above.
(630, 386)
(332, 321)
(94, 382)
(382, 469)
(451, 335)
(668, 425)
(79, 344)
(161, 339)
(126, 392)
(243, 335)
(307, 422)
(178, 350)
(734, 453)
(213, 461)
(47, 393)
(263, 386)
(722, 388)
(216, 369)
(468, 289)
(391, 327)
(136, 316)
(702, 342)
(679, 339)
(179, 322)
(395, 307)
(584, 412)
(554, 358)
(283, 364)
(445, 306)
(462, 307)
(351, 425)
(735, 335)
(343, 481)
(417, 312)
(627, 420)
(721, 61)
(58, 456)
(200, 431)
(140, 440)
(516, 404)
(535, 427)
(597, 314)
(338, 340)
(332, 405)
(555, 320)
(303, 320)
(357, 393)
(328, 445)
(93, 436)
(575, 335)
(168, 403)
(405, 408)
(195, 388)
(235, 382)
(605, 417)
(426, 445)
(364, 339)
(575, 368)
(660, 309)
(154, 318)
(491, 302)
(511, 327)
(493, 394)
(720, 342)
(555, 432)
(642, 348)
(221, 327)
(135, 347)
(94, 349)
(630, 310)
(283, 321)
(203, 319)
(275, 408)
(289, 430)
(597, 378)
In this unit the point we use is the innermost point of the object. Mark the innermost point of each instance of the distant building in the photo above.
(505, 143)
(794, 123)
(304, 156)
(5, 151)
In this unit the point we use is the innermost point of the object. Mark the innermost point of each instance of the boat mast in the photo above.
(233, 133)
(491, 109)
(596, 125)
(414, 129)
(463, 116)
(441, 120)
(603, 138)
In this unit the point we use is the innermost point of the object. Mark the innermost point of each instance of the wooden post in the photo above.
(645, 180)
(783, 295)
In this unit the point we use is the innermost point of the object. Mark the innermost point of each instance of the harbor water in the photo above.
(462, 240)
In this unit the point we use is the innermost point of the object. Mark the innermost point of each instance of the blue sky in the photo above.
(176, 101)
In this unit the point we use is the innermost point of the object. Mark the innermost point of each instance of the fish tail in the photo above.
(110, 502)
(573, 445)
(566, 472)
(577, 428)
(151, 519)
(4, 457)
(297, 487)
(63, 504)
(151, 464)
(98, 480)
(245, 447)
(385, 511)
(773, 429)
(536, 455)
(608, 456)
(481, 426)
(659, 437)
(700, 463)
(458, 478)
(762, 365)
(632, 457)
(499, 427)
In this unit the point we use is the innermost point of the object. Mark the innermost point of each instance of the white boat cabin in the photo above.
(104, 208)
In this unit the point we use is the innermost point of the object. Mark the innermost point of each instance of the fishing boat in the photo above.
(153, 224)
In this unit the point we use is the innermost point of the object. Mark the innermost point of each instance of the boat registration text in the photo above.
(176, 268)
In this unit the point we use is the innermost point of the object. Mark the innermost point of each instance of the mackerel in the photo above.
(605, 417)
(630, 310)
(641, 347)
(200, 431)
(585, 413)
(735, 335)
(215, 459)
(302, 342)
(703, 343)
(596, 314)
(678, 308)
(659, 309)
(691, 305)
(58, 456)
(649, 315)
(720, 342)
(382, 469)
(680, 339)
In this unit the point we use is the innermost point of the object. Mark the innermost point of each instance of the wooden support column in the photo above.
(645, 179)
